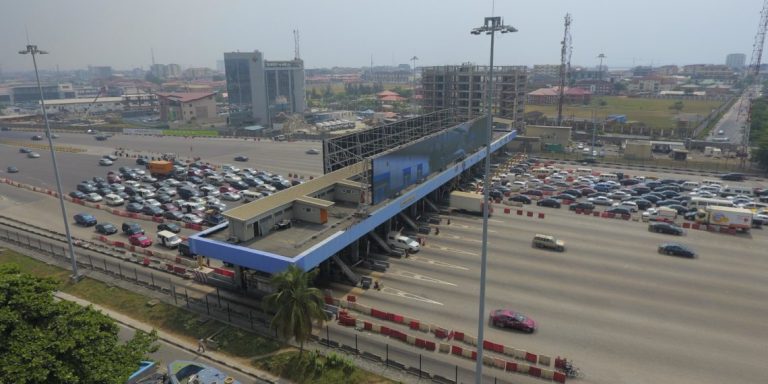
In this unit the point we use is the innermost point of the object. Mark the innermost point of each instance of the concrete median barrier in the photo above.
(523, 368)
(445, 348)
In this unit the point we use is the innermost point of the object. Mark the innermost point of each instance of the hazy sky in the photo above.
(79, 33)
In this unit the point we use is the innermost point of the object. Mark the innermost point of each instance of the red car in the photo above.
(140, 240)
(227, 189)
(505, 318)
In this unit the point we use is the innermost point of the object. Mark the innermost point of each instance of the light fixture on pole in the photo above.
(490, 27)
(32, 50)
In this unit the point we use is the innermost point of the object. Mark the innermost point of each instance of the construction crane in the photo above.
(752, 83)
(102, 90)
(565, 66)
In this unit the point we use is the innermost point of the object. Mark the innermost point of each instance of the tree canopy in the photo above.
(46, 341)
(295, 303)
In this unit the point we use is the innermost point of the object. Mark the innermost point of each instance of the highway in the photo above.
(620, 310)
(732, 123)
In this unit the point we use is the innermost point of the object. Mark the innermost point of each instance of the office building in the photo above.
(736, 60)
(463, 88)
(259, 89)
(174, 71)
(188, 106)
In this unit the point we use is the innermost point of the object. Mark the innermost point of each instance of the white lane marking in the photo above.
(476, 228)
(437, 263)
(464, 239)
(417, 276)
(407, 295)
(453, 250)
(496, 221)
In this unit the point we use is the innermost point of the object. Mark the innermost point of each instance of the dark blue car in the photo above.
(85, 219)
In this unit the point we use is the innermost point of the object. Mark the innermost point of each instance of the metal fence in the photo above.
(219, 304)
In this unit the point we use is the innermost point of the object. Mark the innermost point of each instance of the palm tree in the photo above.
(295, 303)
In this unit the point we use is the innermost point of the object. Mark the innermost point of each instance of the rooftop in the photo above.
(185, 97)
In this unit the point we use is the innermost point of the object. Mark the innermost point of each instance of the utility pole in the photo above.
(600, 68)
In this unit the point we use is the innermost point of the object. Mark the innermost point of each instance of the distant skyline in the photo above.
(347, 33)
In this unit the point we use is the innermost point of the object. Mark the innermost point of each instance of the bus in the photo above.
(703, 202)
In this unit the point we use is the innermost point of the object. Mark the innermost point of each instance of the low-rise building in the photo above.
(550, 96)
(188, 107)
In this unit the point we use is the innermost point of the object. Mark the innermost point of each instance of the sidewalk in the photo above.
(190, 346)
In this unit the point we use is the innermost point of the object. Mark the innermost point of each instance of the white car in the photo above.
(148, 179)
(231, 196)
(211, 199)
(522, 184)
(230, 168)
(312, 151)
(619, 195)
(231, 178)
(93, 197)
(266, 188)
(139, 171)
(534, 181)
(631, 205)
(196, 200)
(131, 183)
(152, 202)
(166, 191)
(191, 219)
(600, 200)
(105, 162)
(113, 200)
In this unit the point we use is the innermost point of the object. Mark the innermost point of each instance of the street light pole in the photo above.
(32, 50)
(490, 27)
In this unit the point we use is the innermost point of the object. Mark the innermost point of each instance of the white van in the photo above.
(711, 182)
(609, 177)
(168, 239)
(733, 191)
(396, 240)
(689, 185)
(249, 196)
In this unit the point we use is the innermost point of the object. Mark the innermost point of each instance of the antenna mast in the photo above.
(752, 84)
(565, 60)
(296, 52)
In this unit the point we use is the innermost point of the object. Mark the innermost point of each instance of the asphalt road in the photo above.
(274, 156)
(732, 123)
(621, 311)
(169, 352)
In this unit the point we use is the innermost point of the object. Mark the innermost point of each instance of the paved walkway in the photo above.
(175, 340)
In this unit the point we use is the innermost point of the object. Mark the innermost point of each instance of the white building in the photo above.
(102, 105)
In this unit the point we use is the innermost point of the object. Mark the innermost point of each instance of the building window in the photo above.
(309, 209)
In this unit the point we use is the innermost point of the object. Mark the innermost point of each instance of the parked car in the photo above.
(77, 195)
(134, 207)
(733, 177)
(533, 192)
(231, 196)
(520, 199)
(505, 318)
(93, 197)
(85, 219)
(584, 206)
(140, 240)
(665, 227)
(105, 162)
(675, 249)
(175, 228)
(619, 211)
(191, 219)
(106, 229)
(173, 215)
(152, 210)
(548, 202)
(131, 229)
(600, 200)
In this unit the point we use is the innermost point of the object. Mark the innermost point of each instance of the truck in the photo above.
(467, 202)
(660, 214)
(732, 218)
(160, 168)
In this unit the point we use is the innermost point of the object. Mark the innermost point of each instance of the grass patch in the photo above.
(168, 318)
(653, 112)
(312, 368)
(190, 132)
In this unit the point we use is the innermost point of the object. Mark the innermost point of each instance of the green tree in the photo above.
(45, 341)
(295, 303)
(677, 106)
